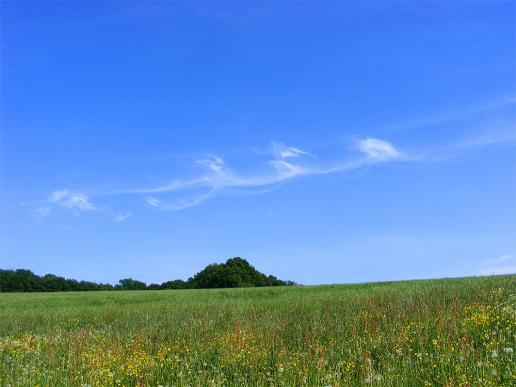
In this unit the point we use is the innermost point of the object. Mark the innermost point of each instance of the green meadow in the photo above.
(449, 332)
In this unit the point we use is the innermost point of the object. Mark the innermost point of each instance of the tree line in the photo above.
(234, 273)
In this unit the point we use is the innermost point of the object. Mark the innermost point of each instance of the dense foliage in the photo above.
(26, 281)
(235, 273)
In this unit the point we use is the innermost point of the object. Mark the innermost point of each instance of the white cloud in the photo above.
(214, 164)
(281, 151)
(173, 185)
(220, 179)
(378, 150)
(179, 204)
(75, 201)
(122, 216)
(287, 163)
(287, 170)
(152, 201)
(78, 202)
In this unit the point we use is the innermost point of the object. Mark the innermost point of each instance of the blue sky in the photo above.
(325, 142)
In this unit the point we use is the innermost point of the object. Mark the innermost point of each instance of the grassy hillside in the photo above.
(451, 331)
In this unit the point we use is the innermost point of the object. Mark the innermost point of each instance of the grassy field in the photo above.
(439, 332)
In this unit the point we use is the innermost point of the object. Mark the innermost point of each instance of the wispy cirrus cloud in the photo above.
(180, 204)
(122, 217)
(214, 164)
(152, 201)
(454, 115)
(284, 164)
(219, 178)
(287, 164)
(72, 201)
(378, 150)
(76, 202)
(504, 137)
(282, 151)
(492, 137)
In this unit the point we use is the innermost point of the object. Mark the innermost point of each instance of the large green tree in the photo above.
(235, 273)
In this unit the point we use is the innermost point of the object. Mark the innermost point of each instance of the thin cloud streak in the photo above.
(378, 150)
(219, 178)
(174, 185)
(452, 116)
(466, 146)
(122, 217)
(287, 163)
(76, 202)
(281, 151)
(487, 139)
(180, 205)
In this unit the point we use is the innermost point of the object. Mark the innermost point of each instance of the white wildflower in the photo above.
(373, 378)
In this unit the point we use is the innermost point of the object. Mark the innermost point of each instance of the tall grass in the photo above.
(437, 332)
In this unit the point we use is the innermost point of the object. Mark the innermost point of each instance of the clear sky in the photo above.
(325, 142)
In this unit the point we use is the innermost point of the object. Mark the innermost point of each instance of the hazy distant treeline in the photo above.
(236, 272)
